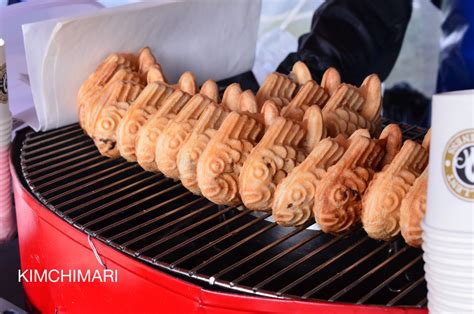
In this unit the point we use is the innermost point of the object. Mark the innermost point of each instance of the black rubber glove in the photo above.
(357, 37)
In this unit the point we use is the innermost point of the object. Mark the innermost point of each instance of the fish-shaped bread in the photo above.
(117, 66)
(294, 196)
(219, 167)
(176, 133)
(101, 76)
(350, 108)
(108, 112)
(148, 134)
(337, 202)
(381, 203)
(284, 145)
(413, 209)
(146, 104)
(281, 88)
(234, 99)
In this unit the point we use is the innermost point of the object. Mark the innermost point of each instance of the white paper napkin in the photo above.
(212, 38)
(11, 19)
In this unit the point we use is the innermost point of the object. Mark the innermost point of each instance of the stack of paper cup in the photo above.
(448, 227)
(7, 222)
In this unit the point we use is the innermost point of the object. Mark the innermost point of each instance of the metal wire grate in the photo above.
(158, 221)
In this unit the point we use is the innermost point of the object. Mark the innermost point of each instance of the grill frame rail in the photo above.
(157, 221)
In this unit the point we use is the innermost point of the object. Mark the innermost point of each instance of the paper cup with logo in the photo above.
(450, 202)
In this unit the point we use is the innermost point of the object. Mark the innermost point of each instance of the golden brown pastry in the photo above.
(146, 104)
(280, 88)
(276, 86)
(413, 209)
(309, 94)
(108, 113)
(176, 133)
(102, 75)
(231, 97)
(208, 124)
(187, 83)
(300, 73)
(91, 98)
(331, 81)
(351, 108)
(220, 163)
(210, 90)
(155, 74)
(189, 154)
(149, 133)
(337, 202)
(294, 196)
(117, 66)
(146, 60)
(284, 145)
(381, 203)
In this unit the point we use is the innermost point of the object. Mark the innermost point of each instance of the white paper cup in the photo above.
(5, 141)
(456, 265)
(445, 295)
(463, 280)
(6, 125)
(451, 243)
(448, 285)
(450, 202)
(463, 253)
(448, 235)
(448, 306)
(6, 130)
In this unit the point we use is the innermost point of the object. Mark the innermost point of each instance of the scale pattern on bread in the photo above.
(351, 108)
(413, 209)
(89, 108)
(108, 113)
(176, 133)
(219, 166)
(146, 104)
(270, 161)
(338, 197)
(276, 87)
(381, 203)
(191, 151)
(102, 75)
(294, 196)
(207, 125)
(280, 88)
(309, 94)
(149, 133)
(284, 145)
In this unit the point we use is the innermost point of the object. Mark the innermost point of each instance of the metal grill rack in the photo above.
(158, 221)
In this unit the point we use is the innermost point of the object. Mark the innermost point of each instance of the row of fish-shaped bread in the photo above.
(246, 148)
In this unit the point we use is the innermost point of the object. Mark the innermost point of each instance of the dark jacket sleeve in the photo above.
(356, 37)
